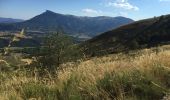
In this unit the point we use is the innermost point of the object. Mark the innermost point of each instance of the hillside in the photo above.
(73, 25)
(10, 20)
(141, 34)
(139, 75)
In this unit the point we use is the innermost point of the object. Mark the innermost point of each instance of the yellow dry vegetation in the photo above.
(85, 75)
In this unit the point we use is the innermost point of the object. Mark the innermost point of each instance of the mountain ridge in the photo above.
(10, 20)
(73, 25)
(141, 34)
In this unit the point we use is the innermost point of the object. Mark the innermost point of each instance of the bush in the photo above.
(39, 91)
(130, 84)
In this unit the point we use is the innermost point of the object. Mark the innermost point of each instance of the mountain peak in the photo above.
(49, 12)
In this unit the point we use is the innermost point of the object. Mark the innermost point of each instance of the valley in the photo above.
(85, 55)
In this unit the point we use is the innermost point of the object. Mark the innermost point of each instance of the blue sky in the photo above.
(135, 9)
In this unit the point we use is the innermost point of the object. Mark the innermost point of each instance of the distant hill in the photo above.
(19, 40)
(10, 20)
(73, 25)
(141, 34)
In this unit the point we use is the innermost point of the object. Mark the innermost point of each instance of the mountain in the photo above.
(141, 34)
(10, 20)
(73, 25)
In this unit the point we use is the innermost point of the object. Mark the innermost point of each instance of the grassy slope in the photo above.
(139, 75)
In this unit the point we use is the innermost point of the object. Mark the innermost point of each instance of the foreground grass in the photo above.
(143, 75)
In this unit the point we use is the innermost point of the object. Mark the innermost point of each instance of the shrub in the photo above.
(130, 84)
(39, 91)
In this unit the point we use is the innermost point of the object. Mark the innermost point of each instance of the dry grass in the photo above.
(98, 78)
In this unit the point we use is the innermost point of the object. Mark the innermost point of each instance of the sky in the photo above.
(134, 9)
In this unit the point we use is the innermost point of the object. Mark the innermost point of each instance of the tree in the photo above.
(53, 51)
(56, 49)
